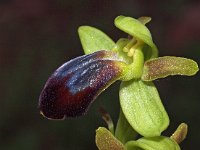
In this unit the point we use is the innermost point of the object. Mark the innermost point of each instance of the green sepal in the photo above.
(153, 143)
(138, 30)
(162, 67)
(142, 107)
(124, 132)
(106, 141)
(93, 39)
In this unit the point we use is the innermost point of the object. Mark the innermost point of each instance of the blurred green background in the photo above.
(36, 36)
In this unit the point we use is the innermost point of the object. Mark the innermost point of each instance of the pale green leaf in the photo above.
(106, 141)
(162, 67)
(154, 143)
(138, 30)
(93, 39)
(142, 107)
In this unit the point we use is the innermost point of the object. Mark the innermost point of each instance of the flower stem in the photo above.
(124, 132)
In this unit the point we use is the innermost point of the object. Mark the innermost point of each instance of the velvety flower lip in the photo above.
(73, 87)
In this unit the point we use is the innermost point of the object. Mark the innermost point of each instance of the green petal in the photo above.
(154, 143)
(106, 141)
(169, 65)
(124, 132)
(142, 107)
(93, 39)
(138, 30)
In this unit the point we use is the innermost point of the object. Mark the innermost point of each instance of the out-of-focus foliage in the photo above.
(36, 36)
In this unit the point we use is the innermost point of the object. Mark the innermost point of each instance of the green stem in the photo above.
(124, 132)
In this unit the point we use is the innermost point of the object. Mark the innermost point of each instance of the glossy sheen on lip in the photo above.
(72, 87)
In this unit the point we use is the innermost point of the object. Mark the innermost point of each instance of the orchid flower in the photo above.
(72, 88)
